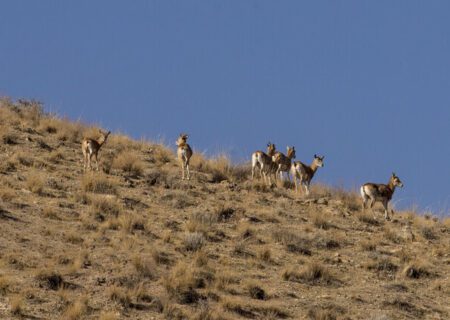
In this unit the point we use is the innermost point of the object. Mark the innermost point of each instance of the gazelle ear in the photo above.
(315, 156)
(393, 174)
(322, 158)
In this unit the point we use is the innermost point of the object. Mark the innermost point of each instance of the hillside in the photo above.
(134, 241)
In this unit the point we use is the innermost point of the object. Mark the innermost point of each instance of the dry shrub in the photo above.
(98, 183)
(264, 254)
(119, 295)
(70, 131)
(17, 304)
(123, 143)
(162, 154)
(50, 124)
(184, 279)
(50, 278)
(245, 230)
(50, 213)
(31, 111)
(255, 291)
(73, 238)
(5, 283)
(292, 241)
(129, 162)
(7, 195)
(253, 309)
(108, 315)
(321, 221)
(368, 245)
(7, 136)
(193, 241)
(219, 167)
(160, 257)
(104, 207)
(145, 268)
(392, 235)
(77, 309)
(326, 312)
(201, 221)
(55, 156)
(428, 233)
(313, 273)
(130, 222)
(35, 182)
(367, 218)
(417, 269)
(384, 265)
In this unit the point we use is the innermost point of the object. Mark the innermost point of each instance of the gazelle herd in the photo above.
(273, 163)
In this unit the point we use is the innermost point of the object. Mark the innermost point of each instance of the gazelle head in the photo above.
(182, 139)
(318, 160)
(103, 135)
(396, 181)
(290, 152)
(270, 149)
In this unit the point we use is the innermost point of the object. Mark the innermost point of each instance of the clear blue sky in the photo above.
(366, 83)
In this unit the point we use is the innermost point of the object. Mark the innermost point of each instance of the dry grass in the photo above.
(17, 304)
(129, 162)
(313, 273)
(98, 183)
(35, 182)
(153, 246)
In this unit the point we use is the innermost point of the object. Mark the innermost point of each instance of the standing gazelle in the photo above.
(264, 162)
(305, 173)
(184, 153)
(283, 162)
(380, 192)
(90, 148)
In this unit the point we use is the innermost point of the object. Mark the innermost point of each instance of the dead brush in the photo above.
(17, 305)
(49, 124)
(161, 154)
(77, 309)
(145, 268)
(129, 162)
(293, 242)
(193, 241)
(255, 291)
(200, 221)
(367, 218)
(253, 309)
(119, 295)
(22, 158)
(417, 269)
(98, 183)
(55, 157)
(35, 182)
(104, 207)
(183, 280)
(313, 273)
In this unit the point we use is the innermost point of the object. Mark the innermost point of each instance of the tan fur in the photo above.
(283, 162)
(305, 173)
(264, 162)
(184, 154)
(90, 148)
(380, 192)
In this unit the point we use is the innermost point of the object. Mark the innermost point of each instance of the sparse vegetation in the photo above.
(136, 242)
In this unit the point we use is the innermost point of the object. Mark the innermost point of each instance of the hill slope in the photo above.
(136, 242)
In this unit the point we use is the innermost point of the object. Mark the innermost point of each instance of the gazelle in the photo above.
(184, 153)
(283, 162)
(264, 162)
(380, 192)
(305, 173)
(90, 148)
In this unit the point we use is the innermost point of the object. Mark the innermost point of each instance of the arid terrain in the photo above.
(134, 241)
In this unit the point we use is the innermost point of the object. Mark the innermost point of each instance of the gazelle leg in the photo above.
(188, 172)
(307, 188)
(385, 205)
(96, 161)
